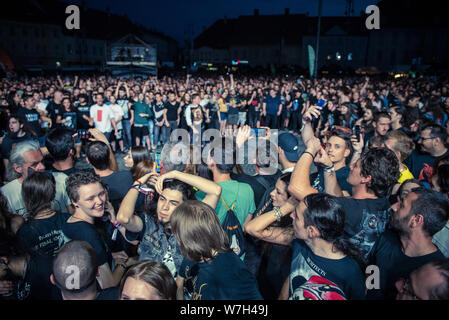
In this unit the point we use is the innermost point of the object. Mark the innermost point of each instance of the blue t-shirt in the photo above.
(317, 278)
(272, 107)
(225, 277)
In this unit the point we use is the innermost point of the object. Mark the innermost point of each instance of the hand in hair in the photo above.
(97, 135)
(160, 181)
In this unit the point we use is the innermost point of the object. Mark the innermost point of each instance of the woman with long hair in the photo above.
(322, 254)
(271, 261)
(42, 232)
(211, 270)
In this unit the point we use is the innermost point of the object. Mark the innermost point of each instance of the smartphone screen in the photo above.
(158, 164)
(321, 103)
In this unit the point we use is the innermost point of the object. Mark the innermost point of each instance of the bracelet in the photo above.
(277, 213)
(330, 169)
(307, 152)
(140, 183)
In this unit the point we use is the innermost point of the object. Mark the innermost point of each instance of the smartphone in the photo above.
(158, 163)
(258, 132)
(357, 132)
(320, 103)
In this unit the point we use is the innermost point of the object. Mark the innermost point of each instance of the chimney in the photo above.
(287, 11)
(256, 12)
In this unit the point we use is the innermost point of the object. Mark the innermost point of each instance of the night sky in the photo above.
(172, 17)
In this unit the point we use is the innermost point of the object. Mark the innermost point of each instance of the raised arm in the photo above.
(300, 181)
(99, 136)
(125, 215)
(210, 188)
(260, 228)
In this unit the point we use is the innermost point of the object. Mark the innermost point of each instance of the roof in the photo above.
(271, 29)
(95, 24)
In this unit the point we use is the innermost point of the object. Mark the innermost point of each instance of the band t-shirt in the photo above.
(83, 110)
(32, 117)
(225, 277)
(317, 278)
(365, 220)
(43, 235)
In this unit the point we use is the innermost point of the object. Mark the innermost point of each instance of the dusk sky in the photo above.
(172, 17)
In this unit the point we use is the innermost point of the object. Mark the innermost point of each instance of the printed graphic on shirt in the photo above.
(305, 278)
(318, 288)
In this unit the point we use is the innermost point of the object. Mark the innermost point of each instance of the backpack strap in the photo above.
(232, 207)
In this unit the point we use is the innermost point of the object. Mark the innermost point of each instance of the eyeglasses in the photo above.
(407, 288)
(423, 139)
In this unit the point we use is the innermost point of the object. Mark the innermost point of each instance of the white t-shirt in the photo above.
(13, 193)
(118, 112)
(102, 117)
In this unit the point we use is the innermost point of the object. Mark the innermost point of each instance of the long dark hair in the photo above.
(326, 214)
(139, 154)
(38, 191)
(187, 191)
(5, 216)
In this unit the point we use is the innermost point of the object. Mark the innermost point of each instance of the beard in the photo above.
(399, 225)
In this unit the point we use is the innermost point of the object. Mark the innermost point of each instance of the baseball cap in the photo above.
(290, 145)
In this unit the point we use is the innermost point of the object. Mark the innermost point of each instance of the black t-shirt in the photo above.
(80, 111)
(32, 117)
(224, 278)
(172, 111)
(36, 285)
(53, 110)
(119, 183)
(43, 235)
(313, 277)
(112, 293)
(366, 220)
(8, 142)
(85, 231)
(421, 165)
(393, 264)
(71, 120)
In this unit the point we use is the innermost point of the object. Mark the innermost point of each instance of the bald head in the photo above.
(75, 269)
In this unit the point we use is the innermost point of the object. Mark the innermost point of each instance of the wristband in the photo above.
(277, 213)
(313, 157)
(140, 183)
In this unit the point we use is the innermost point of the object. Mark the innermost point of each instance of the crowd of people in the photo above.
(346, 198)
